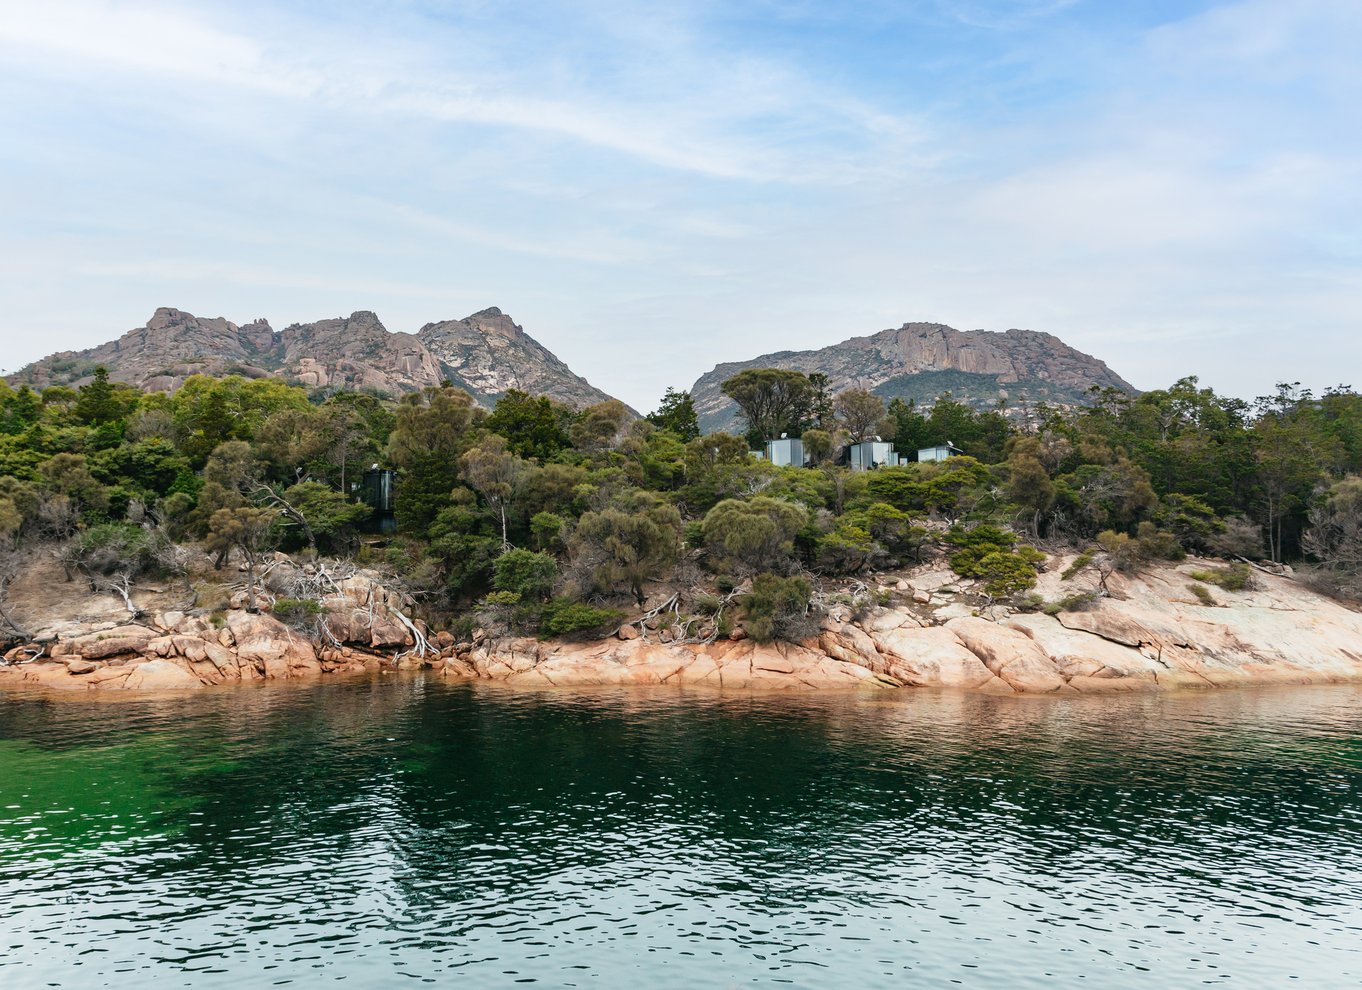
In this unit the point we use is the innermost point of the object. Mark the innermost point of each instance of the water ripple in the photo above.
(407, 831)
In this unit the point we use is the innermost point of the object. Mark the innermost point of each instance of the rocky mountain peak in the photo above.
(921, 361)
(487, 353)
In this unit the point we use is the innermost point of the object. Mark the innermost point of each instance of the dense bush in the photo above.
(1235, 577)
(529, 575)
(299, 613)
(563, 617)
(751, 536)
(777, 608)
(109, 548)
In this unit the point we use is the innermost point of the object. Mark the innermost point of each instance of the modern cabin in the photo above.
(376, 491)
(870, 454)
(940, 452)
(786, 452)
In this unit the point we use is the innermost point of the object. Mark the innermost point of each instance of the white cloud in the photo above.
(649, 189)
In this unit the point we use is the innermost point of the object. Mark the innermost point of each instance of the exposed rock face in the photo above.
(355, 352)
(172, 346)
(725, 664)
(485, 353)
(1149, 635)
(923, 360)
(177, 651)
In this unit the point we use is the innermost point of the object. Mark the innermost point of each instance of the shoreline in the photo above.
(1148, 635)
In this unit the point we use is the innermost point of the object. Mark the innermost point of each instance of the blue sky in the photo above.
(1175, 187)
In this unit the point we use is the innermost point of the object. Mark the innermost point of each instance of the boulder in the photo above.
(160, 675)
(933, 657)
(851, 644)
(272, 647)
(1010, 654)
(118, 641)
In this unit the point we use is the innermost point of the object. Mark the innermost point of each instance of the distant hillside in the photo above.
(924, 360)
(485, 353)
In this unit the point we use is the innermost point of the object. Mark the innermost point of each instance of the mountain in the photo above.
(487, 353)
(923, 360)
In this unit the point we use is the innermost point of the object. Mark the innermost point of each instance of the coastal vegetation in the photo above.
(536, 517)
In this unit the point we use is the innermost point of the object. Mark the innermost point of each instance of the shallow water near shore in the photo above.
(407, 830)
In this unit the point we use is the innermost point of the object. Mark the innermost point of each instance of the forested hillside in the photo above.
(535, 516)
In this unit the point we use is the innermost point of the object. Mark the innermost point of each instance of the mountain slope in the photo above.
(921, 361)
(485, 353)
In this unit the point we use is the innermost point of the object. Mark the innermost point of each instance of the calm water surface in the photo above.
(403, 831)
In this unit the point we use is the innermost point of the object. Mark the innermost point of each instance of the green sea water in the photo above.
(407, 831)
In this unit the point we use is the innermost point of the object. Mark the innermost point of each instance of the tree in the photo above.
(862, 414)
(677, 414)
(100, 401)
(297, 442)
(821, 402)
(1028, 483)
(1291, 459)
(432, 431)
(323, 515)
(599, 426)
(532, 426)
(493, 471)
(69, 475)
(11, 519)
(820, 445)
(755, 535)
(772, 401)
(247, 529)
(1335, 534)
(623, 546)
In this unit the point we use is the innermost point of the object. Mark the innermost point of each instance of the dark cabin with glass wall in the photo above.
(377, 492)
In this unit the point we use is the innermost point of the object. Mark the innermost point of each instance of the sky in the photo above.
(652, 188)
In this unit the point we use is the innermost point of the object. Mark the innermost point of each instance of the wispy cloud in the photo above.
(698, 180)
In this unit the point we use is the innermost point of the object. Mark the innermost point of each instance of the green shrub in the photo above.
(530, 575)
(110, 548)
(461, 627)
(976, 544)
(1077, 602)
(1080, 562)
(562, 617)
(547, 529)
(778, 608)
(298, 613)
(1158, 544)
(707, 604)
(755, 535)
(1203, 594)
(1235, 577)
(844, 551)
(1004, 573)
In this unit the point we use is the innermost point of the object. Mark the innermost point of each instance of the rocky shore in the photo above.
(1150, 632)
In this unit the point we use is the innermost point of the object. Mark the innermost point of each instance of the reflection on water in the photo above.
(408, 830)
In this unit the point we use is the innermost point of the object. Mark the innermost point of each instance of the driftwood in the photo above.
(121, 585)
